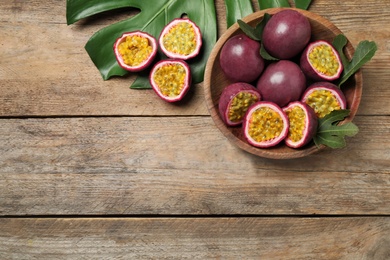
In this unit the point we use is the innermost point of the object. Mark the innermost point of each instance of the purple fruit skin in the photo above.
(228, 94)
(330, 86)
(312, 128)
(310, 72)
(240, 59)
(282, 82)
(286, 34)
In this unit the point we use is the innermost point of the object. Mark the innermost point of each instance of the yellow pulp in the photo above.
(296, 117)
(181, 39)
(240, 104)
(170, 79)
(324, 60)
(265, 124)
(323, 102)
(135, 50)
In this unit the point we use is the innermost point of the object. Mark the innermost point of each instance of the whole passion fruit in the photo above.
(286, 34)
(170, 79)
(235, 101)
(320, 61)
(135, 51)
(265, 124)
(324, 97)
(282, 82)
(240, 59)
(181, 39)
(303, 124)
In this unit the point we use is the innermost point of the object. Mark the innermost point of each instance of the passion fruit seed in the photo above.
(170, 79)
(181, 39)
(324, 60)
(296, 116)
(265, 124)
(240, 104)
(323, 102)
(135, 50)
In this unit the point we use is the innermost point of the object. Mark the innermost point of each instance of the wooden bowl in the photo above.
(215, 81)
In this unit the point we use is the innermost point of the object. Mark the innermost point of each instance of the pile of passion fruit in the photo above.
(282, 100)
(180, 40)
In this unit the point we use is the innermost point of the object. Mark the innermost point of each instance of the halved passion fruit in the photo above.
(135, 51)
(321, 61)
(235, 101)
(181, 39)
(265, 124)
(324, 97)
(303, 124)
(170, 79)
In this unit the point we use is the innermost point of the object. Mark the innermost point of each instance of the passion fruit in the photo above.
(303, 124)
(135, 51)
(265, 124)
(282, 82)
(240, 59)
(286, 34)
(324, 97)
(235, 101)
(170, 79)
(181, 39)
(320, 61)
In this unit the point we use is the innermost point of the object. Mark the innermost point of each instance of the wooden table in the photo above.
(90, 169)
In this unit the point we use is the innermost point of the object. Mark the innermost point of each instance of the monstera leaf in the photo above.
(153, 16)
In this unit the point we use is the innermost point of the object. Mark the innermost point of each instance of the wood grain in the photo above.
(189, 238)
(181, 166)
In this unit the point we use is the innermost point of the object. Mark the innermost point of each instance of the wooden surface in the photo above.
(90, 169)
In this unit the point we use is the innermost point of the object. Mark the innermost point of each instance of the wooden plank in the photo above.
(52, 75)
(148, 166)
(196, 238)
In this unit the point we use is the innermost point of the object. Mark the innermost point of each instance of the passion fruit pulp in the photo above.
(265, 124)
(135, 51)
(240, 59)
(303, 124)
(286, 34)
(324, 97)
(235, 101)
(170, 79)
(181, 39)
(320, 61)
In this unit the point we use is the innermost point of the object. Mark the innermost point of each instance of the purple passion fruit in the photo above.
(303, 124)
(240, 59)
(170, 79)
(181, 39)
(324, 97)
(320, 61)
(135, 51)
(265, 124)
(235, 101)
(286, 34)
(282, 82)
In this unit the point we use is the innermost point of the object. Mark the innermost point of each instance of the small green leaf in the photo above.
(302, 4)
(260, 26)
(331, 134)
(339, 43)
(363, 53)
(264, 4)
(265, 54)
(249, 30)
(236, 10)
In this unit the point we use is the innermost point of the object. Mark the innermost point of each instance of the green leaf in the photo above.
(302, 4)
(331, 134)
(153, 16)
(266, 55)
(264, 4)
(363, 53)
(339, 43)
(249, 30)
(260, 26)
(236, 10)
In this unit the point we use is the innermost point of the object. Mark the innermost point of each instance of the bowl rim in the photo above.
(213, 109)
